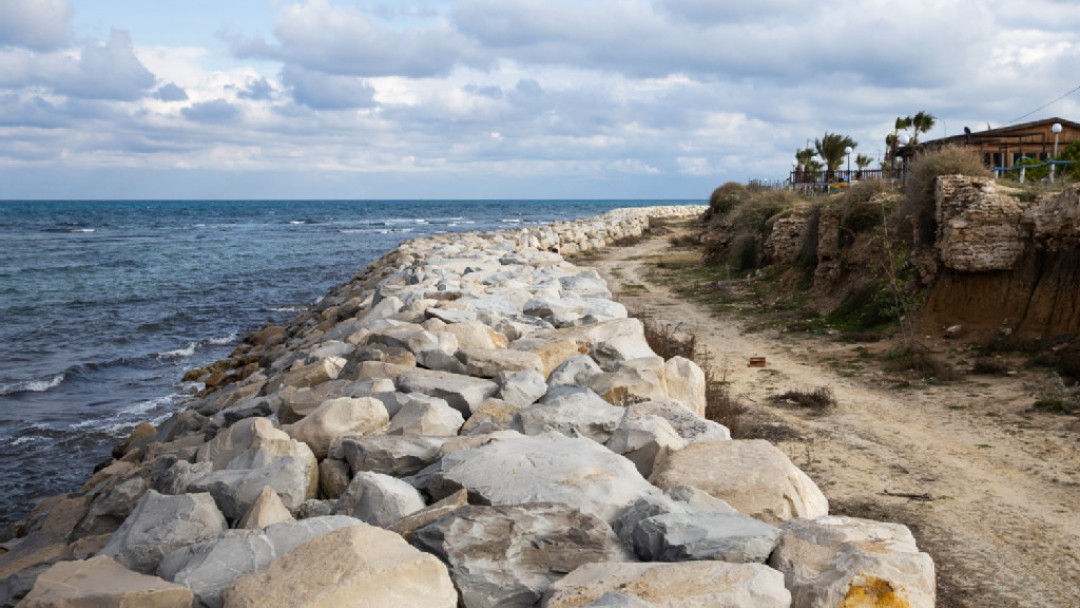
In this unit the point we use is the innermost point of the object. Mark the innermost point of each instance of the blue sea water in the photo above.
(105, 304)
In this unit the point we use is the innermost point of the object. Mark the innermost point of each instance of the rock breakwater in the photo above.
(470, 421)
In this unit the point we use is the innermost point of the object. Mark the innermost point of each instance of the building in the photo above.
(1004, 147)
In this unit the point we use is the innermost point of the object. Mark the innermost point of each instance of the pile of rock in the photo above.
(471, 421)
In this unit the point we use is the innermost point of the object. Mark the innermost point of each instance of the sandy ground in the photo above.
(994, 487)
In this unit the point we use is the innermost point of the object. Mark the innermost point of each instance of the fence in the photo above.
(831, 181)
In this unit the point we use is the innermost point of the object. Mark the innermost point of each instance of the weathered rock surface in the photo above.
(159, 524)
(545, 468)
(354, 566)
(337, 417)
(508, 556)
(379, 500)
(423, 415)
(391, 454)
(267, 509)
(572, 411)
(100, 581)
(845, 561)
(728, 537)
(208, 567)
(752, 475)
(463, 393)
(704, 584)
(645, 440)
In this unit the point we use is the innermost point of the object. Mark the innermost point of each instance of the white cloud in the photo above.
(41, 25)
(567, 95)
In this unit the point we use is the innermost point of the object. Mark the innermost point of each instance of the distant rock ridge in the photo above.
(472, 421)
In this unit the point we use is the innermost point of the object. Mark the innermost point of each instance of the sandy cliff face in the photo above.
(1006, 264)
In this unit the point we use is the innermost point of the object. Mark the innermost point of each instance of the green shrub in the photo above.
(724, 199)
(743, 253)
(866, 309)
(919, 183)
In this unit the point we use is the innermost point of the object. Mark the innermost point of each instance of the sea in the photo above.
(105, 304)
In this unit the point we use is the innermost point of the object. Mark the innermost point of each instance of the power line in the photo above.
(1043, 107)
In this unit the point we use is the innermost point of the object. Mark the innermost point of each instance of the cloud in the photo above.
(339, 40)
(325, 91)
(217, 111)
(257, 89)
(97, 70)
(170, 92)
(40, 25)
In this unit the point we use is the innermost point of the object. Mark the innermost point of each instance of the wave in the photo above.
(511, 221)
(154, 410)
(282, 309)
(223, 340)
(31, 386)
(179, 353)
(302, 222)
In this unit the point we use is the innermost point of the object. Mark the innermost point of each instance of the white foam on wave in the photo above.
(284, 309)
(297, 222)
(511, 221)
(223, 340)
(31, 386)
(85, 230)
(179, 353)
(155, 410)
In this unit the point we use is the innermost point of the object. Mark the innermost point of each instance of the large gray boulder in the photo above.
(337, 417)
(545, 468)
(682, 500)
(832, 561)
(521, 388)
(645, 440)
(208, 567)
(572, 411)
(575, 371)
(249, 455)
(687, 424)
(397, 455)
(343, 568)
(423, 415)
(508, 556)
(752, 475)
(702, 584)
(728, 537)
(160, 524)
(379, 500)
(100, 581)
(463, 393)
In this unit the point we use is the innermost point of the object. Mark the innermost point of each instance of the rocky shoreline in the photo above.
(470, 421)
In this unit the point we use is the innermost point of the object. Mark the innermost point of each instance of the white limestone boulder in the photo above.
(753, 476)
(699, 584)
(337, 417)
(159, 524)
(645, 440)
(396, 455)
(379, 500)
(834, 561)
(508, 556)
(335, 569)
(546, 468)
(728, 537)
(463, 393)
(572, 411)
(100, 581)
(521, 388)
(208, 567)
(423, 415)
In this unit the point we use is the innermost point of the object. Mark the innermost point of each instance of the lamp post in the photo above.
(1056, 128)
(847, 151)
(904, 139)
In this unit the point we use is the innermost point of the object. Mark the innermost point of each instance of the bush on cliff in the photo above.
(919, 184)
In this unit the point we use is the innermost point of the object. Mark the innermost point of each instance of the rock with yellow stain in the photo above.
(846, 562)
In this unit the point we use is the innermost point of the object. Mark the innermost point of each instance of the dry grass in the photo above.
(818, 399)
(721, 406)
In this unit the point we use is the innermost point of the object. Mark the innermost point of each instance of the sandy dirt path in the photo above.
(1001, 511)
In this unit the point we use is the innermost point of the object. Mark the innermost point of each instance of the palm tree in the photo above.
(892, 140)
(862, 161)
(921, 123)
(802, 158)
(832, 149)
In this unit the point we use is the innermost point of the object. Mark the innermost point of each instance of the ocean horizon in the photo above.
(106, 303)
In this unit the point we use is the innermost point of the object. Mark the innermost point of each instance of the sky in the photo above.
(518, 99)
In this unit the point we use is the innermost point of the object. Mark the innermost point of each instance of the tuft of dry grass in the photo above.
(990, 367)
(818, 399)
(721, 406)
